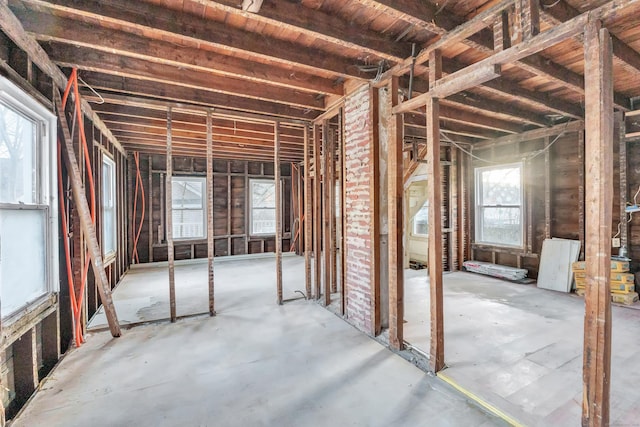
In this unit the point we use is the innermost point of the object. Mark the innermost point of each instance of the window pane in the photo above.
(263, 194)
(263, 221)
(17, 157)
(501, 186)
(22, 266)
(501, 226)
(108, 207)
(188, 224)
(187, 194)
(188, 208)
(421, 221)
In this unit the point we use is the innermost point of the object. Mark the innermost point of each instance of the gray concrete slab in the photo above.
(520, 348)
(254, 364)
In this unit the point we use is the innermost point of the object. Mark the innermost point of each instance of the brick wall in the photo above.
(357, 125)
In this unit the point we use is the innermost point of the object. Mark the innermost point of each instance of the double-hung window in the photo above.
(108, 207)
(421, 221)
(28, 200)
(188, 208)
(263, 206)
(499, 210)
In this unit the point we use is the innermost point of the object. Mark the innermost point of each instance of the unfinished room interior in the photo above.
(319, 213)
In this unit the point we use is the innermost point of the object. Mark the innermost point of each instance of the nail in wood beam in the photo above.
(308, 238)
(326, 212)
(396, 218)
(317, 227)
(599, 191)
(210, 230)
(434, 190)
(169, 216)
(86, 224)
(276, 165)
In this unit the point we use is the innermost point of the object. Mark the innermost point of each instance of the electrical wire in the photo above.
(102, 101)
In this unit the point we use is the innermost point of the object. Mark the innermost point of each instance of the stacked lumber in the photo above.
(622, 282)
(495, 270)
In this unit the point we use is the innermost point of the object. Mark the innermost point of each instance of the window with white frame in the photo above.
(499, 195)
(421, 221)
(263, 206)
(28, 201)
(108, 206)
(188, 207)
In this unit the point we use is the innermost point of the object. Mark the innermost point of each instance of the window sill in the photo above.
(16, 325)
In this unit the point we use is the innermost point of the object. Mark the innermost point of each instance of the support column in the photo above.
(396, 219)
(619, 136)
(210, 231)
(308, 238)
(326, 213)
(276, 161)
(374, 191)
(434, 190)
(169, 215)
(317, 217)
(598, 207)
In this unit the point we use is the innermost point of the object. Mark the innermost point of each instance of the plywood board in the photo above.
(555, 264)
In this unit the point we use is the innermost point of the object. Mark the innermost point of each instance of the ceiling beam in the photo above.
(102, 62)
(136, 16)
(49, 28)
(168, 94)
(142, 147)
(562, 11)
(318, 24)
(481, 41)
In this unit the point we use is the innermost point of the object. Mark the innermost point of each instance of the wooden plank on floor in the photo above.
(396, 217)
(434, 191)
(169, 216)
(598, 207)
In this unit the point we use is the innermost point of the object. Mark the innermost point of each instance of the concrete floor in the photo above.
(520, 347)
(254, 364)
(143, 293)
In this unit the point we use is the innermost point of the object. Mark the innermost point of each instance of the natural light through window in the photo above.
(108, 207)
(263, 206)
(499, 205)
(188, 204)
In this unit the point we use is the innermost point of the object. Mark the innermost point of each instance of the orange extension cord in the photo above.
(76, 303)
(136, 237)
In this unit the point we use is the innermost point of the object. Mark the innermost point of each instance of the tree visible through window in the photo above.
(188, 207)
(499, 205)
(263, 206)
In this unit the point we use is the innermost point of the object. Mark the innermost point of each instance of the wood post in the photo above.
(308, 238)
(374, 191)
(210, 230)
(326, 212)
(396, 219)
(599, 191)
(86, 224)
(547, 190)
(343, 199)
(169, 216)
(619, 135)
(276, 164)
(434, 190)
(331, 182)
(317, 218)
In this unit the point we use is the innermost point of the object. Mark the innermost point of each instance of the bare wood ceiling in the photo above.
(293, 58)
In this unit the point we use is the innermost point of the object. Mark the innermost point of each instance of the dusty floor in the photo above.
(254, 364)
(520, 347)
